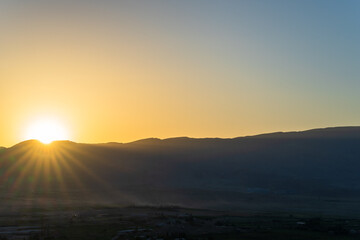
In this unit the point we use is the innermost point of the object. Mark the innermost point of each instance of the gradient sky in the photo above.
(126, 70)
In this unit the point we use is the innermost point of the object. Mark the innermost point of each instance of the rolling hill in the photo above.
(319, 163)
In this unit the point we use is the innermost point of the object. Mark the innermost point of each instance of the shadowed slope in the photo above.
(320, 162)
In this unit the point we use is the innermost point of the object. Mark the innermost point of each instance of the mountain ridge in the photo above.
(318, 163)
(329, 130)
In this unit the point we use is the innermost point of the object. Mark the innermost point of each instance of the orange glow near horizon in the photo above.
(120, 71)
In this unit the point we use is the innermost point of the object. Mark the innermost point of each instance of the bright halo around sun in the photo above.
(47, 131)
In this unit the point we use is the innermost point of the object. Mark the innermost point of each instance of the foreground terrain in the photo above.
(111, 222)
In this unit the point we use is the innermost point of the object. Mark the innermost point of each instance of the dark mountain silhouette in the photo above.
(316, 163)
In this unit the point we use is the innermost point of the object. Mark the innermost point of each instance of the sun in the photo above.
(47, 131)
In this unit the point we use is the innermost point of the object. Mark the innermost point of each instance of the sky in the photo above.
(119, 71)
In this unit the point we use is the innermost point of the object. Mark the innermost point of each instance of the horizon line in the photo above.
(161, 139)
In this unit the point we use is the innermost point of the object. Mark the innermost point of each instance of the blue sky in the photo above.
(196, 68)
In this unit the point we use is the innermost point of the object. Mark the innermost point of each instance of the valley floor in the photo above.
(116, 223)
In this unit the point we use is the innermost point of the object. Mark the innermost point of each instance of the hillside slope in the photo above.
(315, 163)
